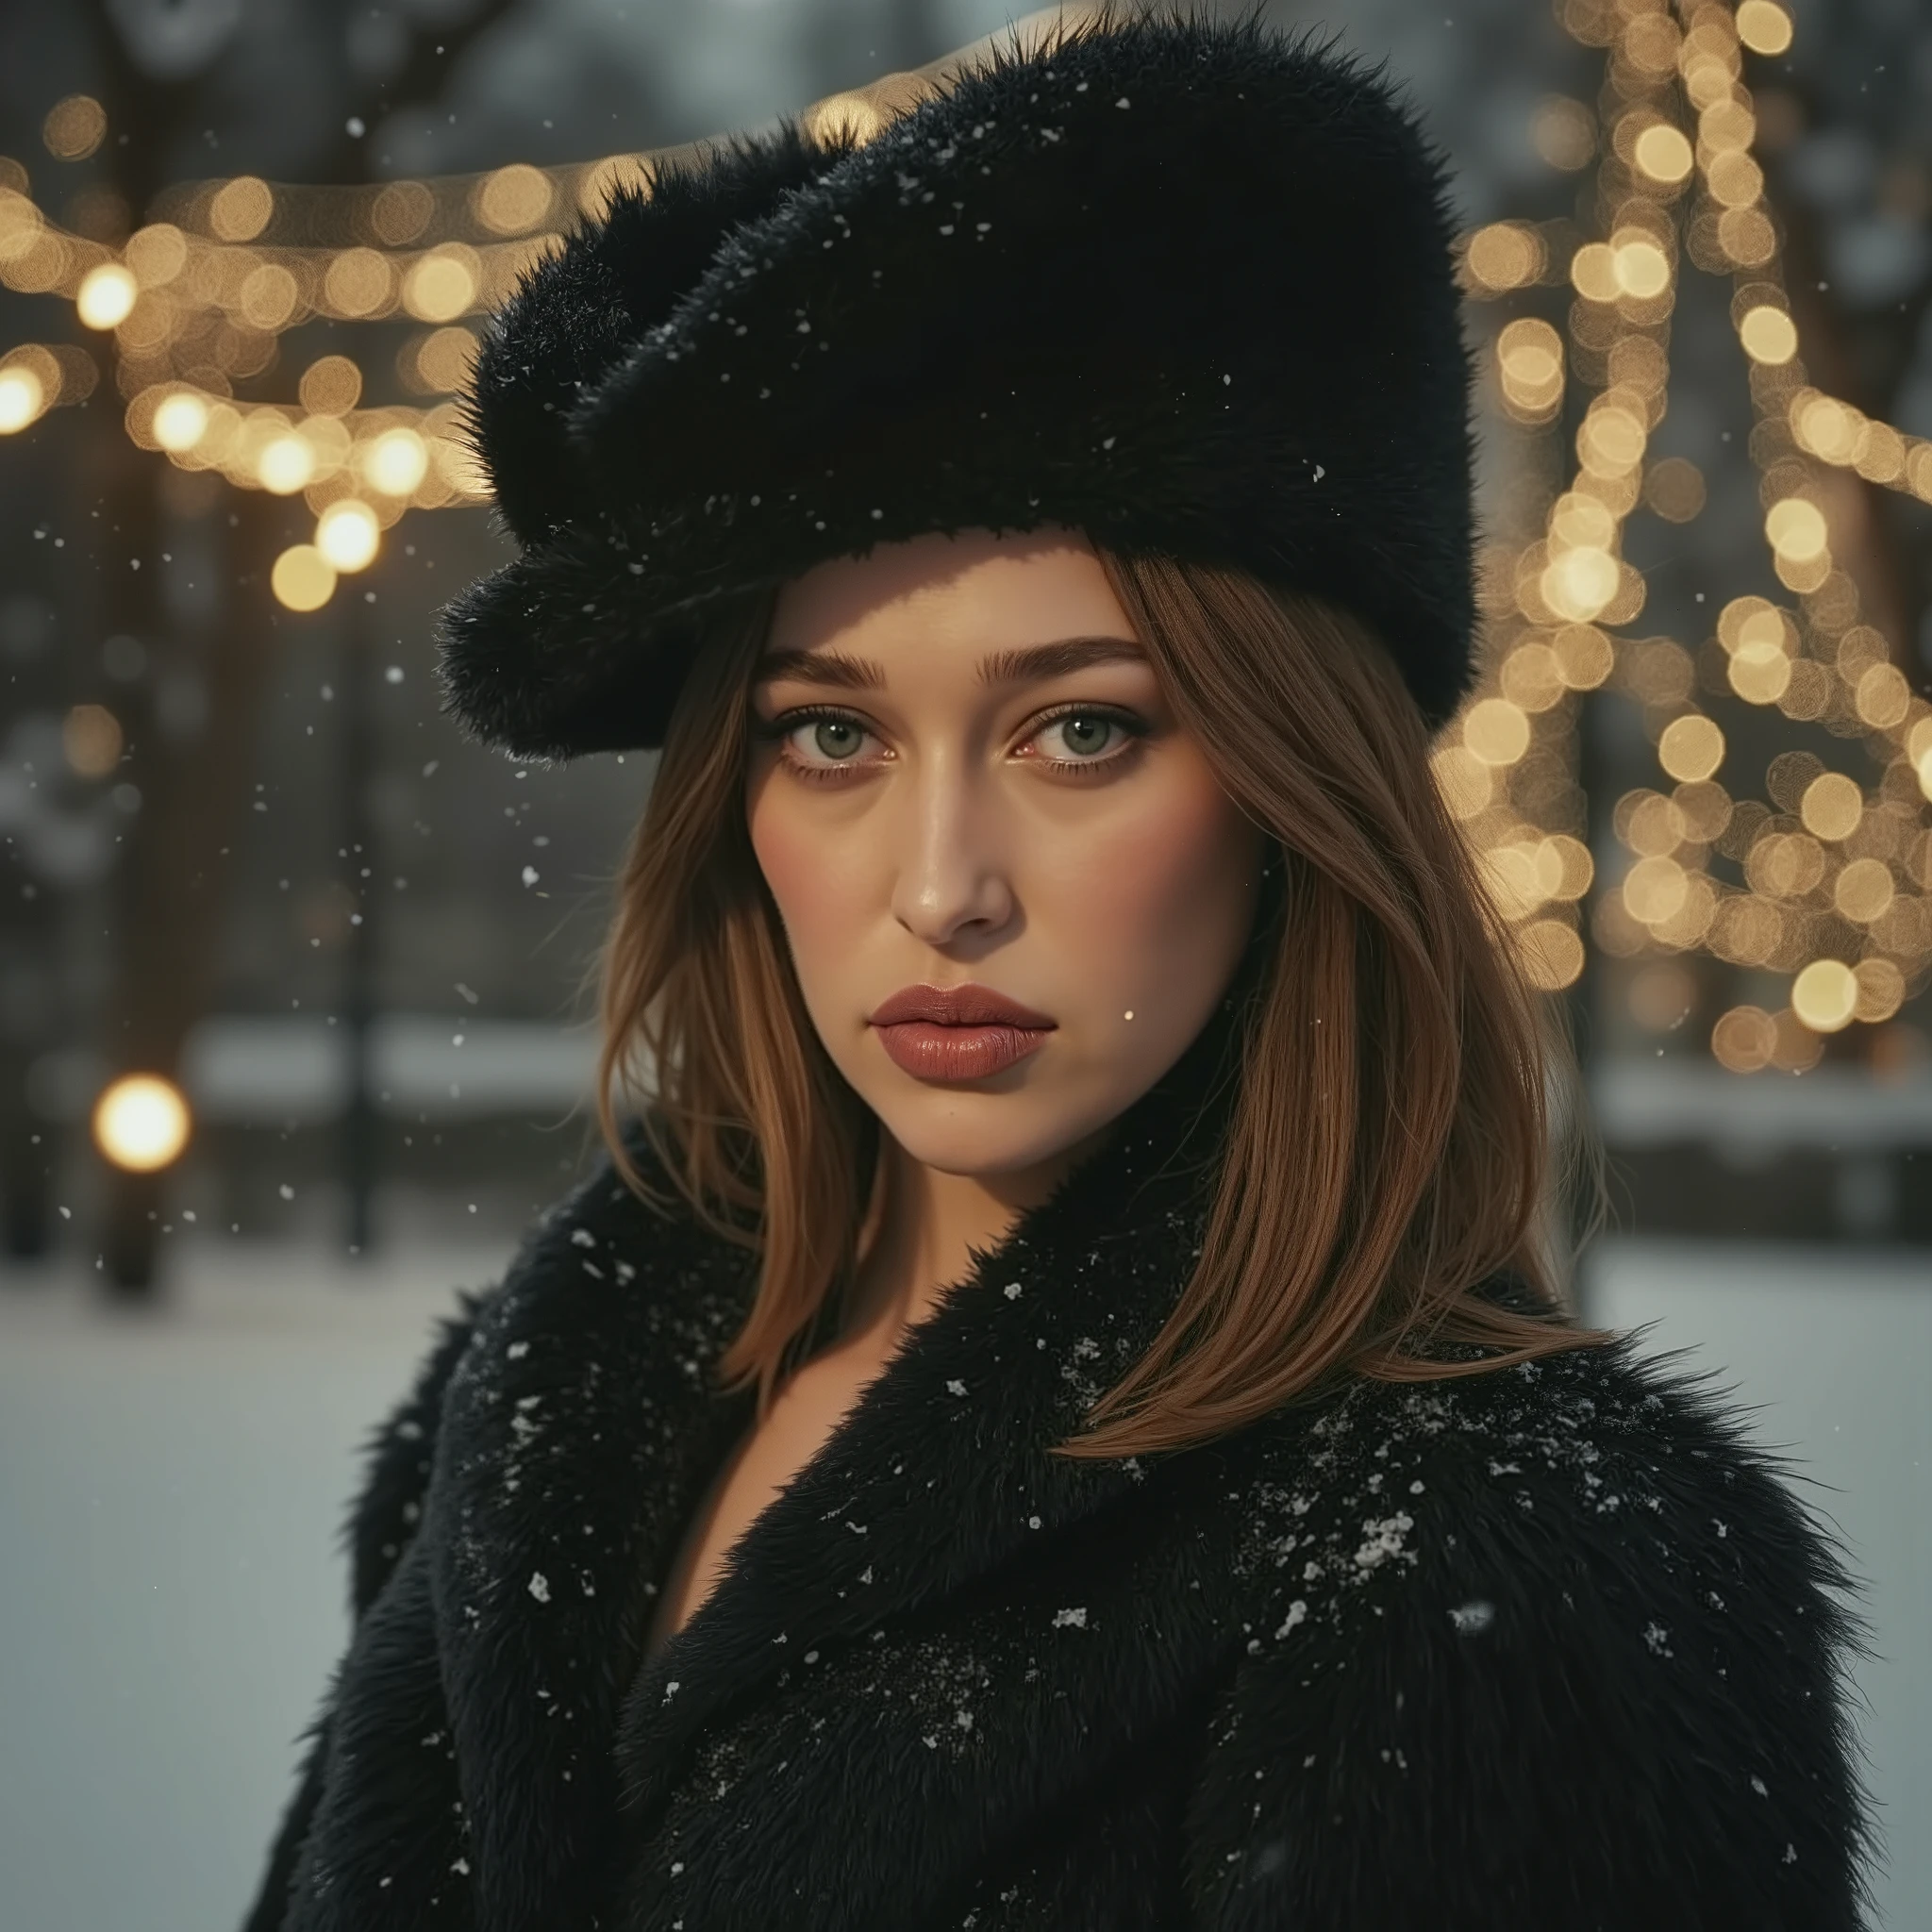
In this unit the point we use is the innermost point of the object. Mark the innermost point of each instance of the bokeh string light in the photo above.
(1834, 895)
(1835, 889)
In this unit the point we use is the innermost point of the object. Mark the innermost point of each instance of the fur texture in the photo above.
(1549, 1646)
(1186, 286)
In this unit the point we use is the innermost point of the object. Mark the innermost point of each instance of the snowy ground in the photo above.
(170, 1485)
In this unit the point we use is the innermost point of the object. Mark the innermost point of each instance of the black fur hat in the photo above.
(1185, 285)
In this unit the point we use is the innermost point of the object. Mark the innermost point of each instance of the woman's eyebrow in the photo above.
(1017, 666)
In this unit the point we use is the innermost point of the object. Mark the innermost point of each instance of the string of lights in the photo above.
(1835, 876)
(1835, 885)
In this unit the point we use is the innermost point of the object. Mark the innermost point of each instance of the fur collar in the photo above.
(580, 1430)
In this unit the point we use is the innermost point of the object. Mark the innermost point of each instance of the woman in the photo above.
(1057, 1412)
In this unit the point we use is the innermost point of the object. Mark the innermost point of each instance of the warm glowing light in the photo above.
(91, 740)
(1642, 269)
(331, 386)
(1746, 234)
(156, 254)
(1690, 748)
(180, 421)
(1883, 696)
(1863, 892)
(1832, 805)
(1795, 528)
(303, 579)
(107, 294)
(597, 184)
(268, 297)
(1653, 888)
(1584, 656)
(513, 198)
(1881, 989)
(1532, 677)
(1650, 824)
(1664, 154)
(1825, 995)
(348, 535)
(845, 113)
(1826, 427)
(1593, 270)
(1612, 439)
(1505, 254)
(286, 464)
(442, 360)
(1580, 583)
(241, 208)
(1580, 521)
(442, 286)
(1530, 364)
(141, 1122)
(358, 282)
(396, 462)
(1496, 731)
(1743, 1039)
(1785, 865)
(75, 127)
(1764, 26)
(1881, 453)
(22, 398)
(401, 211)
(1567, 863)
(1736, 181)
(1768, 334)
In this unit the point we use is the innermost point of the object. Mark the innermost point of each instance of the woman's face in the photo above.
(933, 804)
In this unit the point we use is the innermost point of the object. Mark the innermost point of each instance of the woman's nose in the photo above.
(951, 871)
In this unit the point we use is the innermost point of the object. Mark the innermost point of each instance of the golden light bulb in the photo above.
(1496, 731)
(1642, 269)
(180, 421)
(285, 465)
(141, 1122)
(1691, 748)
(348, 535)
(303, 579)
(1768, 334)
(1664, 154)
(396, 462)
(1580, 583)
(442, 285)
(1825, 995)
(1795, 528)
(1764, 26)
(22, 399)
(107, 295)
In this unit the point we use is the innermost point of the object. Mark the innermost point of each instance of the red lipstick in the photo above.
(958, 1032)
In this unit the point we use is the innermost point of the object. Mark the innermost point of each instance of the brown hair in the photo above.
(1389, 1007)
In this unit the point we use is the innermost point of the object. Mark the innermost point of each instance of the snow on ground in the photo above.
(1833, 1346)
(172, 1484)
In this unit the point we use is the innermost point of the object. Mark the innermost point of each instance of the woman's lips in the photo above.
(933, 1051)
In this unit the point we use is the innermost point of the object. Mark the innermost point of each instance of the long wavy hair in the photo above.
(1431, 1069)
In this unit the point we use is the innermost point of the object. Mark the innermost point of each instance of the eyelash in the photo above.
(786, 723)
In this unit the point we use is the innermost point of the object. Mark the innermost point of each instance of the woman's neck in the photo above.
(922, 1227)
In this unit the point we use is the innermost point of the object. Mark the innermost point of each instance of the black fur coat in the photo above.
(1546, 1648)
